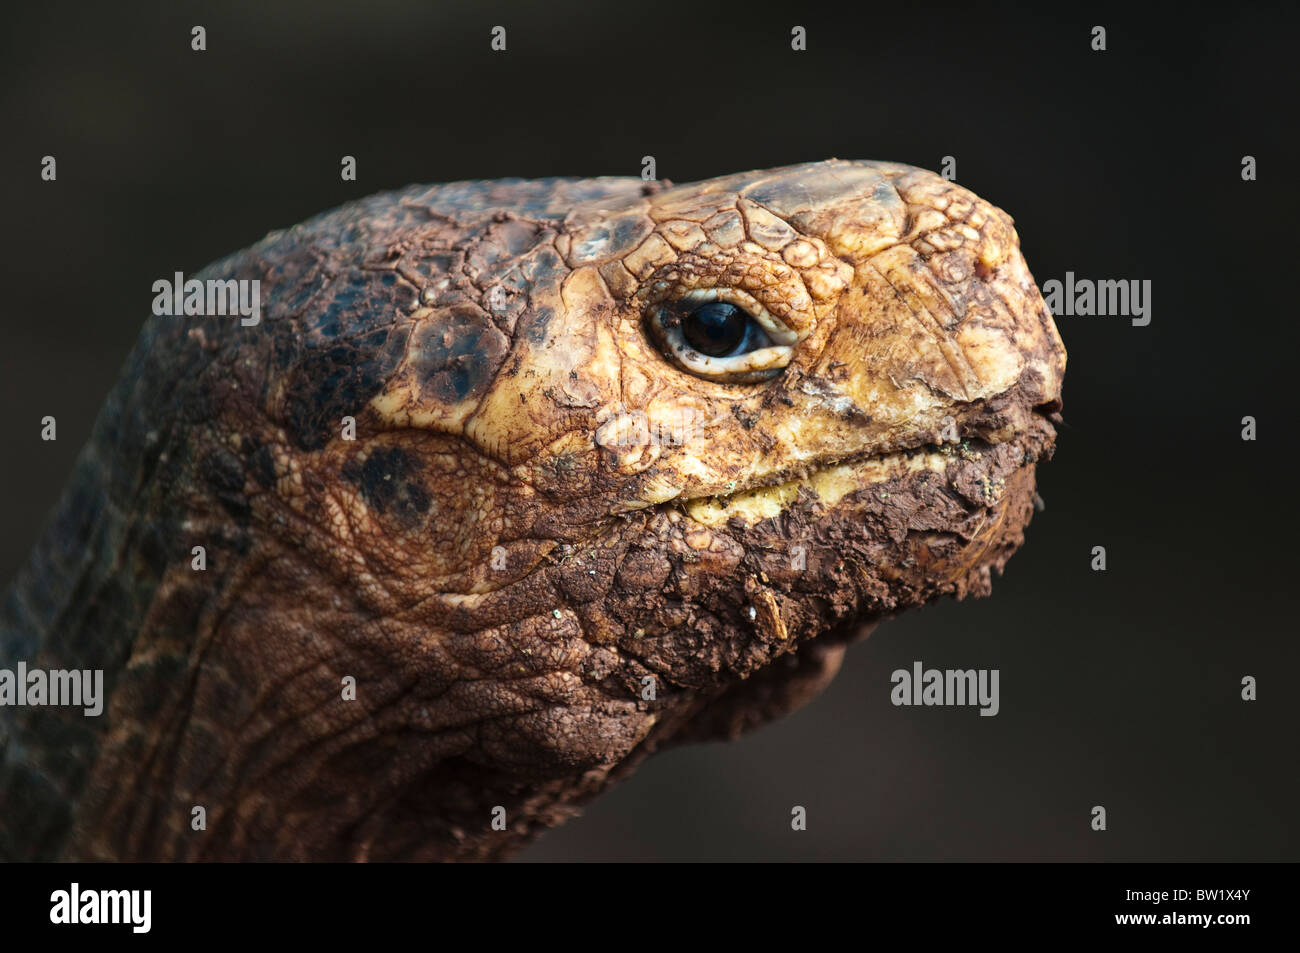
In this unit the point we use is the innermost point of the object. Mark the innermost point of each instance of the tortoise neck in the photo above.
(87, 593)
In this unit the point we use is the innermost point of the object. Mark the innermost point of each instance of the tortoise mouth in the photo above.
(832, 481)
(829, 482)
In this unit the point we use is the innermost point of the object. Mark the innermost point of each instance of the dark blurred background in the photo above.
(1118, 688)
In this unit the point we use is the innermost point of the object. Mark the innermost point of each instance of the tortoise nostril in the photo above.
(1050, 409)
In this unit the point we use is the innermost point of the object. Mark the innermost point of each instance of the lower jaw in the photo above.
(928, 523)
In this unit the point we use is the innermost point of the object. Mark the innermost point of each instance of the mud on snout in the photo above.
(850, 544)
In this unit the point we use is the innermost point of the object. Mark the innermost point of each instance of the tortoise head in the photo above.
(693, 428)
(719, 350)
(554, 473)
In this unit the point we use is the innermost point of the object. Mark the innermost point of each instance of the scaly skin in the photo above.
(539, 514)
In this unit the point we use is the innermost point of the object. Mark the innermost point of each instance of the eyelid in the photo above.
(775, 329)
(763, 359)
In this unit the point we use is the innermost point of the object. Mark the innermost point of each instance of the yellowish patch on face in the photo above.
(831, 485)
(660, 491)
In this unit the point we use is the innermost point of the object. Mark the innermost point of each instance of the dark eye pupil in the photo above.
(716, 328)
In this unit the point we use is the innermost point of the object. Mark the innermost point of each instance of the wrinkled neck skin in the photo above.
(229, 694)
(441, 637)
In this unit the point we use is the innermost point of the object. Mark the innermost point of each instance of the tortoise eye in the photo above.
(720, 329)
(721, 340)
